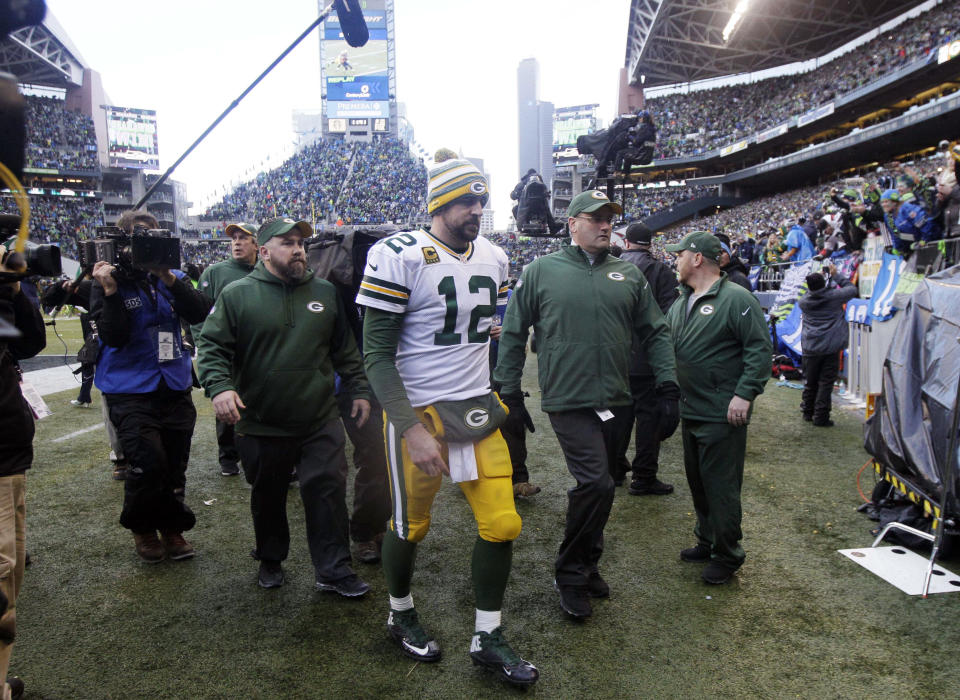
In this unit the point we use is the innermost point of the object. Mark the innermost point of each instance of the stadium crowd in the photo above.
(360, 183)
(641, 203)
(60, 220)
(697, 122)
(59, 138)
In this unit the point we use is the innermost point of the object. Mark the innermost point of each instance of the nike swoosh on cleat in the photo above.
(420, 651)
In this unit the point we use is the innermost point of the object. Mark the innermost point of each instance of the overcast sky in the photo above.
(456, 72)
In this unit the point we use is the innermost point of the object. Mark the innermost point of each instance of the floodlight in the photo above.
(735, 18)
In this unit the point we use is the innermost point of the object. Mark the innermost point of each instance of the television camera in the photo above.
(532, 210)
(628, 141)
(131, 254)
(42, 260)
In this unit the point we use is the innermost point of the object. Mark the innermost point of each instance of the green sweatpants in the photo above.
(713, 455)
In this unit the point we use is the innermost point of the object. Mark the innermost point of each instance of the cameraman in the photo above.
(16, 446)
(146, 376)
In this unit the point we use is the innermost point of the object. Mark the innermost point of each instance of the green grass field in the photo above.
(799, 620)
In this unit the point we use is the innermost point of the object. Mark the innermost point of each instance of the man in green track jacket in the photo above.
(584, 306)
(723, 362)
(243, 256)
(268, 352)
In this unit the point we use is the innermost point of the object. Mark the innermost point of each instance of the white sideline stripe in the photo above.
(70, 436)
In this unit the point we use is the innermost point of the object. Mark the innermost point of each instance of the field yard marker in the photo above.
(78, 432)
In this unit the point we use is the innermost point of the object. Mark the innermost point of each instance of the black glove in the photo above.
(668, 408)
(518, 412)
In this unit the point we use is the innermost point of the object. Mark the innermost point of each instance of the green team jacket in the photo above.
(723, 349)
(215, 278)
(278, 345)
(583, 316)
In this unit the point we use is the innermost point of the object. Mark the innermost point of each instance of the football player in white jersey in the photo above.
(431, 297)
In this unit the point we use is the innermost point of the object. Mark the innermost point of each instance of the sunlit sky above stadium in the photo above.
(456, 72)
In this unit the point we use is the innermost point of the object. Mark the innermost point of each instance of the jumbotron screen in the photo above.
(357, 79)
(132, 138)
(571, 122)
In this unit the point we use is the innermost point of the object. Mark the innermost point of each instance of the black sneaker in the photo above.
(823, 423)
(808, 417)
(717, 573)
(575, 600)
(404, 628)
(699, 554)
(650, 488)
(596, 586)
(271, 574)
(229, 469)
(491, 650)
(351, 586)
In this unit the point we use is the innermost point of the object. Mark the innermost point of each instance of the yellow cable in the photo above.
(20, 197)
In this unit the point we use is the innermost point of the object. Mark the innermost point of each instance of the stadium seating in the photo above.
(697, 122)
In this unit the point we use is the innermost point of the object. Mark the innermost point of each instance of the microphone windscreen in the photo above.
(352, 24)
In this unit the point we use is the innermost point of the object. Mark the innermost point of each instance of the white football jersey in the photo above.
(448, 301)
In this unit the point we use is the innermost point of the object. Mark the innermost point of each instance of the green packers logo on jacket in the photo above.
(616, 276)
(706, 309)
(315, 307)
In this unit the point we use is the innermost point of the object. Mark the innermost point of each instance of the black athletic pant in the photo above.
(646, 460)
(371, 491)
(322, 472)
(86, 382)
(226, 444)
(155, 431)
(589, 446)
(819, 374)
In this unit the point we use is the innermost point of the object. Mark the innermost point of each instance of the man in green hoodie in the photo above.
(243, 256)
(723, 362)
(268, 353)
(586, 307)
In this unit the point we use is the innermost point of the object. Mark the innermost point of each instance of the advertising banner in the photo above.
(762, 136)
(132, 138)
(815, 114)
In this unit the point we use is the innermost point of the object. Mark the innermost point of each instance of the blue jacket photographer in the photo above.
(146, 377)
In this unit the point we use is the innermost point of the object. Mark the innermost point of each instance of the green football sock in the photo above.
(491, 568)
(397, 556)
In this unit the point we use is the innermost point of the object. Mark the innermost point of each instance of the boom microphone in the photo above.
(352, 24)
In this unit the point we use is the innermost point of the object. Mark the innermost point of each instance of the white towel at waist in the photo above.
(462, 460)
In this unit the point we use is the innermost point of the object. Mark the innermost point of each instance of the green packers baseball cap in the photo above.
(590, 201)
(701, 242)
(242, 227)
(280, 226)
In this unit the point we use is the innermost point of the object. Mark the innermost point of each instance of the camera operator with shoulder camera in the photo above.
(22, 335)
(146, 376)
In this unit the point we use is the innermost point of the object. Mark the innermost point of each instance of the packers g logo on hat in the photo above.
(597, 194)
(478, 188)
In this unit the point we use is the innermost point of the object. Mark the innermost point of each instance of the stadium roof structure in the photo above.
(42, 55)
(678, 41)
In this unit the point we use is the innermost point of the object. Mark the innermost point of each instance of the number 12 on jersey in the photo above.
(448, 290)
